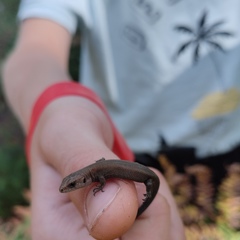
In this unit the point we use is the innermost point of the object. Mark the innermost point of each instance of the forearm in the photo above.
(39, 59)
(26, 75)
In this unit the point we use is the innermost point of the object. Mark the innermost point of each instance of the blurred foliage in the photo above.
(209, 211)
(8, 25)
(13, 169)
(17, 227)
(13, 231)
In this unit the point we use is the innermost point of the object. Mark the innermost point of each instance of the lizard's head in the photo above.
(71, 183)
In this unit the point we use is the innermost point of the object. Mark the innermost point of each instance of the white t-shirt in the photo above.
(167, 68)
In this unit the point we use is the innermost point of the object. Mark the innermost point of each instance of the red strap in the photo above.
(120, 147)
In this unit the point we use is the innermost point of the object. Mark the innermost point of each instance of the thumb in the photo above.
(118, 204)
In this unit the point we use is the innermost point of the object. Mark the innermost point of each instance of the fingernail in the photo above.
(96, 205)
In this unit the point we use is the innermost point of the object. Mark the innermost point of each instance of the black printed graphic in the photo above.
(135, 37)
(202, 33)
(148, 10)
(172, 2)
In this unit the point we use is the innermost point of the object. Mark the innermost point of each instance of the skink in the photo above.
(103, 169)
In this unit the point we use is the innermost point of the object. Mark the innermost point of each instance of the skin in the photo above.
(70, 134)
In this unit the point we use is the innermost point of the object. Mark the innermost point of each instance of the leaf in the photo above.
(225, 34)
(215, 45)
(202, 20)
(183, 47)
(213, 27)
(184, 29)
(196, 53)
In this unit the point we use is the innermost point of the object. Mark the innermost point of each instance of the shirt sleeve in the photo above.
(64, 12)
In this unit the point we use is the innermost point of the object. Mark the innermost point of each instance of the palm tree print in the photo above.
(202, 34)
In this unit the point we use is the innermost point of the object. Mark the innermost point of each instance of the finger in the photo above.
(49, 206)
(118, 204)
(176, 225)
(154, 223)
(161, 219)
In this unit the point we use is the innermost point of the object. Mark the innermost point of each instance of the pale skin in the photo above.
(72, 133)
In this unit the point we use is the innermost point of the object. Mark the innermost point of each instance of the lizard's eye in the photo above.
(72, 184)
(84, 180)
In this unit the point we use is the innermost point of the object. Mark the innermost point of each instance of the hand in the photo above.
(107, 215)
(56, 215)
